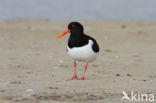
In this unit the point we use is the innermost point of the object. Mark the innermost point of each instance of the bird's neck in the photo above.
(76, 36)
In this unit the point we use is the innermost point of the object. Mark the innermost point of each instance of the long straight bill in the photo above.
(62, 34)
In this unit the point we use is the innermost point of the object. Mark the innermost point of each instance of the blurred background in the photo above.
(79, 9)
(34, 68)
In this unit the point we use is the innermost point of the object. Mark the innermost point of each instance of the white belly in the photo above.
(85, 53)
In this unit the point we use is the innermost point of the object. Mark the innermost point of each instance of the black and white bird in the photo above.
(81, 47)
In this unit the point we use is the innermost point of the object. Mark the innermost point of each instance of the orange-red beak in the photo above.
(65, 32)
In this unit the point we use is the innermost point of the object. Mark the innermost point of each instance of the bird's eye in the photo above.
(73, 26)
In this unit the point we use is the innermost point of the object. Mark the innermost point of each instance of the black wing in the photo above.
(95, 46)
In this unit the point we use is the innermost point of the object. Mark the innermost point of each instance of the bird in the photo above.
(80, 47)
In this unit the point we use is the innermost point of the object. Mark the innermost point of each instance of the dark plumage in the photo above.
(78, 38)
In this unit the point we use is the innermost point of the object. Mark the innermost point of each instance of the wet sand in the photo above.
(35, 68)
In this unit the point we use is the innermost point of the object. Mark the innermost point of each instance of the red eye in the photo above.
(73, 26)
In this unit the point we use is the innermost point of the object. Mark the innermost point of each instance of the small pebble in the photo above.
(53, 88)
(29, 90)
(129, 75)
(117, 74)
(16, 82)
(117, 57)
(28, 72)
(30, 28)
(123, 26)
(72, 92)
(92, 95)
(108, 50)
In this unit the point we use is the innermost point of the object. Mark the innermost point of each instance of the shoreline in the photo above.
(32, 59)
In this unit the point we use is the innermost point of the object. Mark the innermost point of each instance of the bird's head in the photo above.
(74, 28)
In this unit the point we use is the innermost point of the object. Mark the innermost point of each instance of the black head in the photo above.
(75, 28)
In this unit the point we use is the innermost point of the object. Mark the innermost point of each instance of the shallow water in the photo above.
(79, 9)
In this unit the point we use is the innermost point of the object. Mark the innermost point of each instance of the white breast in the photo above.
(84, 53)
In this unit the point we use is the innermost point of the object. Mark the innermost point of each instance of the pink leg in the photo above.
(75, 76)
(83, 76)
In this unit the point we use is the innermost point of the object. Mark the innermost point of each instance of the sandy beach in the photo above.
(35, 68)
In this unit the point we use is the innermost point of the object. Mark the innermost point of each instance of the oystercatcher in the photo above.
(81, 47)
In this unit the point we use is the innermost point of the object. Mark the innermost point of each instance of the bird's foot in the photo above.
(83, 78)
(74, 78)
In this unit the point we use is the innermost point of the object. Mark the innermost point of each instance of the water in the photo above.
(79, 9)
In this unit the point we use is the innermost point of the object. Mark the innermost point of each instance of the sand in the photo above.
(35, 68)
